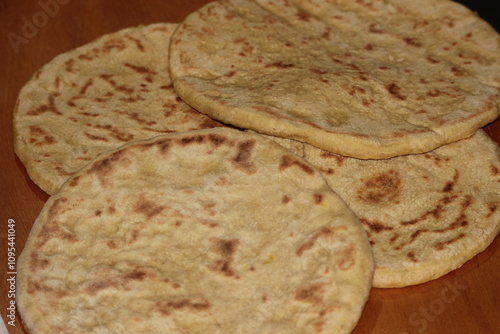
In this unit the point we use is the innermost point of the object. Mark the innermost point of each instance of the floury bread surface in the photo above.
(96, 98)
(366, 79)
(209, 231)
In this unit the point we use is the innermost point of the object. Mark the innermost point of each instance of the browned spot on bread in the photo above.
(303, 16)
(104, 166)
(412, 257)
(216, 139)
(115, 86)
(353, 90)
(367, 4)
(135, 275)
(492, 208)
(134, 235)
(495, 170)
(394, 90)
(327, 155)
(96, 286)
(318, 198)
(36, 262)
(242, 160)
(50, 106)
(112, 244)
(434, 212)
(209, 223)
(369, 47)
(327, 171)
(317, 71)
(147, 208)
(459, 72)
(288, 161)
(37, 286)
(115, 133)
(432, 60)
(449, 21)
(86, 86)
(345, 258)
(209, 123)
(385, 186)
(149, 73)
(451, 184)
(196, 139)
(162, 144)
(280, 65)
(132, 99)
(375, 225)
(312, 294)
(137, 42)
(324, 232)
(74, 181)
(226, 249)
(394, 238)
(167, 306)
(285, 199)
(326, 33)
(68, 65)
(442, 245)
(94, 137)
(52, 229)
(40, 137)
(413, 42)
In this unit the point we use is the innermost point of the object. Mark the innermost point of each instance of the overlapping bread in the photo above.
(366, 79)
(425, 214)
(96, 98)
(209, 231)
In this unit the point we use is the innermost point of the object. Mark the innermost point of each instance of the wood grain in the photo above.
(465, 301)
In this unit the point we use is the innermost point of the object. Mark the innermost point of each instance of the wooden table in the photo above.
(464, 301)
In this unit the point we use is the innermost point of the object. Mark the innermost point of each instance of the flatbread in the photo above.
(209, 231)
(366, 79)
(95, 98)
(425, 214)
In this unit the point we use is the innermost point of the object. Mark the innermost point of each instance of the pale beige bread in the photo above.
(209, 231)
(367, 79)
(425, 214)
(95, 98)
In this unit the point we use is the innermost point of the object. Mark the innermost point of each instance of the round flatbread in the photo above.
(209, 231)
(95, 98)
(367, 79)
(425, 214)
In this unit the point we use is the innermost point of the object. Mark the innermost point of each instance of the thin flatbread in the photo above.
(425, 214)
(366, 79)
(96, 98)
(209, 231)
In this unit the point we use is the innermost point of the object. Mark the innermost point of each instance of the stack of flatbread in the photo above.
(258, 167)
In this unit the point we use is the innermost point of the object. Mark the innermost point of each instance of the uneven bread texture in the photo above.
(209, 231)
(96, 98)
(373, 79)
(425, 214)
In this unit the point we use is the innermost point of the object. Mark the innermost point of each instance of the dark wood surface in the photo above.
(465, 301)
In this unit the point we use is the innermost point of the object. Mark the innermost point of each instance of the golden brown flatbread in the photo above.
(367, 79)
(425, 214)
(208, 231)
(95, 98)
